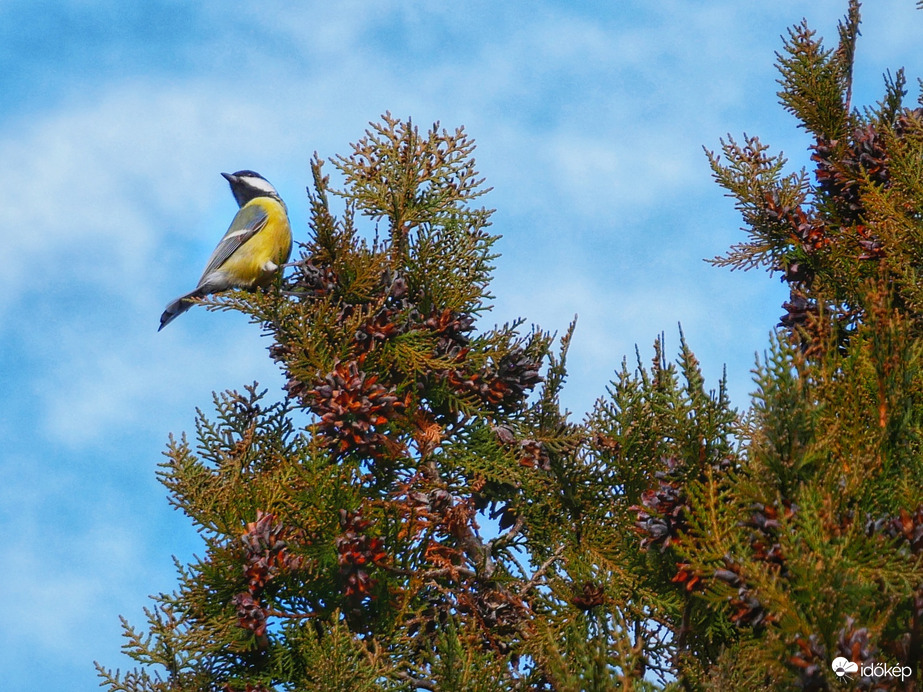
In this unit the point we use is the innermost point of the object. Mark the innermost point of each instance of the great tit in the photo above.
(258, 241)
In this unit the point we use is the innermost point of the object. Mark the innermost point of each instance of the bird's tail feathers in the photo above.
(178, 307)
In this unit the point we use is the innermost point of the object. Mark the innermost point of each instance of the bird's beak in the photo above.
(230, 177)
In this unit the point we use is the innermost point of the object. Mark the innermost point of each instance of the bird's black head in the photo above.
(247, 185)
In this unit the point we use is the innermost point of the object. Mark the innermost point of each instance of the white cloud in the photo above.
(147, 380)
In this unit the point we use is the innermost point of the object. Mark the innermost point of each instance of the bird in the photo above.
(257, 243)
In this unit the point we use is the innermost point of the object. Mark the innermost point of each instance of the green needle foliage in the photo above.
(408, 530)
(813, 541)
(417, 512)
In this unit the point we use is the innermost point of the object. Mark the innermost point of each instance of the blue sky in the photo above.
(116, 119)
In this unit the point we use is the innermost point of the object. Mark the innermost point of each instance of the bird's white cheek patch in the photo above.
(259, 184)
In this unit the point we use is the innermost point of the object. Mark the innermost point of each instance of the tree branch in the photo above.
(540, 572)
(505, 539)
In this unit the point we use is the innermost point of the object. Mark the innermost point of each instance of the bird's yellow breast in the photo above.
(272, 245)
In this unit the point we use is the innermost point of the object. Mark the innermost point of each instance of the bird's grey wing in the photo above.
(249, 221)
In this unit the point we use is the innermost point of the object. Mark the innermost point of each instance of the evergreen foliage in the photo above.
(440, 523)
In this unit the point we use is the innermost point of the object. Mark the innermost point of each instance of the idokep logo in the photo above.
(843, 667)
